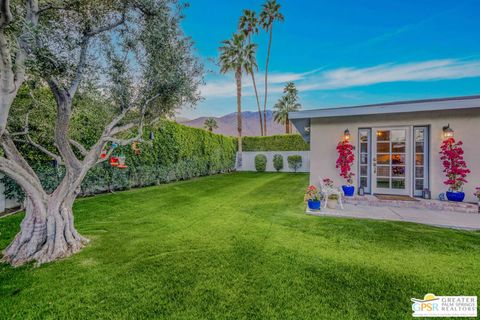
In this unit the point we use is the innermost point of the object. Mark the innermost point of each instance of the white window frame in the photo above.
(426, 159)
(367, 190)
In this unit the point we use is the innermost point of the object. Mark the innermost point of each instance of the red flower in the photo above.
(454, 165)
(346, 157)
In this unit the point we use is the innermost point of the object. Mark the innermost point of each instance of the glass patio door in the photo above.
(391, 161)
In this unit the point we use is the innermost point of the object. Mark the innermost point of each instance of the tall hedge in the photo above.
(177, 152)
(284, 142)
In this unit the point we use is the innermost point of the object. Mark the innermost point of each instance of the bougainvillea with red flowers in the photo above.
(454, 165)
(346, 157)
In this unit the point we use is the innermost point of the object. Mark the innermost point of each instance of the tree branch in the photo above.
(7, 80)
(95, 31)
(80, 67)
(12, 153)
(62, 122)
(5, 13)
(116, 120)
(111, 129)
(41, 148)
(29, 140)
(29, 183)
(123, 128)
(124, 142)
(52, 7)
(82, 61)
(14, 165)
(79, 147)
(21, 56)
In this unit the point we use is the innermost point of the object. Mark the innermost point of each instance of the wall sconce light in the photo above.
(346, 135)
(448, 132)
(307, 130)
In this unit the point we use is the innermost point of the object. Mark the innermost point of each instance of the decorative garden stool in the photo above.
(327, 191)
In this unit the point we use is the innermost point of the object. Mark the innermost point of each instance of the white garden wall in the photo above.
(4, 202)
(248, 160)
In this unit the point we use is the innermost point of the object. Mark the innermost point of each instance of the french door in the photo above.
(391, 165)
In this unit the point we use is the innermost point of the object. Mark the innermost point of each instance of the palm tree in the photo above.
(287, 103)
(291, 90)
(210, 124)
(269, 14)
(238, 56)
(280, 114)
(248, 24)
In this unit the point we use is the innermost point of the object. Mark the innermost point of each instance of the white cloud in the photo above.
(226, 87)
(222, 88)
(318, 79)
(418, 71)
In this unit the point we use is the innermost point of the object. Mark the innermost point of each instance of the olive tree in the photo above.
(132, 51)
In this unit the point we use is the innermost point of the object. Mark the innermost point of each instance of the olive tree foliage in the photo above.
(135, 56)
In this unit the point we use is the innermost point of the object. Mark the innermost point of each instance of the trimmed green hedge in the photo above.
(284, 142)
(177, 152)
(294, 162)
(278, 162)
(260, 162)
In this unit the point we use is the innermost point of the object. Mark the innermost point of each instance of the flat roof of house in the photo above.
(453, 103)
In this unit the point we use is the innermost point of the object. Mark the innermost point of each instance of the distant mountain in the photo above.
(227, 125)
(181, 119)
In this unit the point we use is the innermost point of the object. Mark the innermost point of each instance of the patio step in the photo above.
(369, 200)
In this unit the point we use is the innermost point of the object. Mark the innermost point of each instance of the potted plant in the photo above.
(349, 189)
(332, 201)
(312, 197)
(346, 157)
(455, 169)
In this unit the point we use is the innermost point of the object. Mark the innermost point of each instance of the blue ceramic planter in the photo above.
(348, 190)
(455, 196)
(314, 204)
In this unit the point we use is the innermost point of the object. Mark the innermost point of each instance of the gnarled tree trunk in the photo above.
(47, 233)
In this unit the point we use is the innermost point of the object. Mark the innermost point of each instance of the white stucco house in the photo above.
(397, 144)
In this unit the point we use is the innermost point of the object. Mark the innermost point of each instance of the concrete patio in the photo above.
(417, 203)
(445, 219)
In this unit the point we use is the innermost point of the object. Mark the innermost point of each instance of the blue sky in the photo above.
(343, 53)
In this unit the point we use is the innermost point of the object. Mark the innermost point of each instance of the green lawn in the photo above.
(237, 246)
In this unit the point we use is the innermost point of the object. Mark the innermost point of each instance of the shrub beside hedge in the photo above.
(177, 152)
(294, 162)
(278, 162)
(260, 162)
(286, 142)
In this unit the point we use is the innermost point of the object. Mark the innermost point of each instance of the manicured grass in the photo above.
(237, 246)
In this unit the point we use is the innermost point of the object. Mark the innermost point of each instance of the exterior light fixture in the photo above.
(152, 135)
(307, 130)
(346, 135)
(448, 132)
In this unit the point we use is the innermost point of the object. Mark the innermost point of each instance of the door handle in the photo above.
(374, 164)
